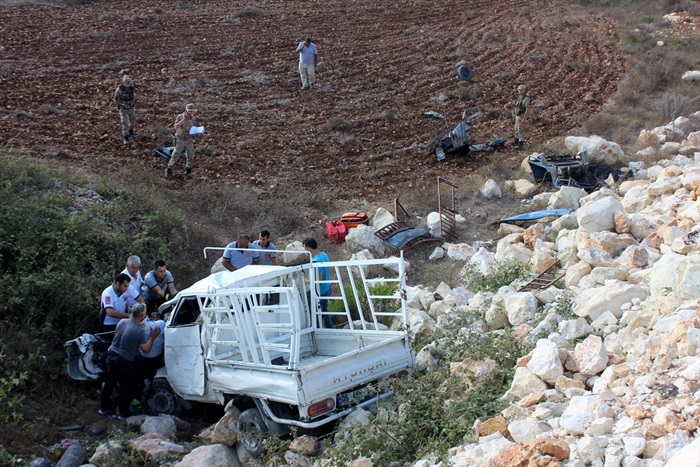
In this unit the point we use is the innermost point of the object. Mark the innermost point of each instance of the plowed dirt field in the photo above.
(360, 134)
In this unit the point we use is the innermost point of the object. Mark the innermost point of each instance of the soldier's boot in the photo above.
(132, 136)
(519, 146)
(126, 139)
(515, 142)
(168, 173)
(188, 174)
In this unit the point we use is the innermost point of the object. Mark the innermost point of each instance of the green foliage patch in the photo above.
(381, 305)
(63, 238)
(506, 272)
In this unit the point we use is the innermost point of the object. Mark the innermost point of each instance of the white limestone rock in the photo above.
(214, 454)
(525, 382)
(578, 416)
(571, 329)
(594, 257)
(599, 215)
(508, 251)
(437, 253)
(362, 238)
(591, 303)
(575, 272)
(460, 251)
(545, 361)
(491, 190)
(676, 275)
(568, 197)
(382, 218)
(591, 356)
(524, 431)
(598, 149)
(484, 262)
(520, 307)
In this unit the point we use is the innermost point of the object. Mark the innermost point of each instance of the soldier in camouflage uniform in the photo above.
(124, 97)
(183, 140)
(522, 105)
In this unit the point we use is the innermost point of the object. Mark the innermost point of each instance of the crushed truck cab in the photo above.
(253, 338)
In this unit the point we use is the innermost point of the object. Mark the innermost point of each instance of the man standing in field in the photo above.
(308, 56)
(522, 106)
(124, 98)
(183, 140)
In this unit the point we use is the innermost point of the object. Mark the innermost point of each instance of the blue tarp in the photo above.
(402, 237)
(534, 215)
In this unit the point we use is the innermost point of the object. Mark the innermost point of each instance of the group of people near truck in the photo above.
(129, 319)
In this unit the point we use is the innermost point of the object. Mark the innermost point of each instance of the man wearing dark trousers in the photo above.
(129, 338)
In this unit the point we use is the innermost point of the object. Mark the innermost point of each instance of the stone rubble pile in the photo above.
(614, 378)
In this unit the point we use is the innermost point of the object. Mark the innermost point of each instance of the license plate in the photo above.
(352, 397)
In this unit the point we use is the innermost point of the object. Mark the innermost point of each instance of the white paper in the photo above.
(197, 130)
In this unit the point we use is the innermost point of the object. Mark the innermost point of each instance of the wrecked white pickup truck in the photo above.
(253, 338)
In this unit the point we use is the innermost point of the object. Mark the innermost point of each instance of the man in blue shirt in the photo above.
(160, 286)
(236, 259)
(323, 275)
(268, 257)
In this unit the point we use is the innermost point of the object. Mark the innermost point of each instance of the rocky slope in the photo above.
(614, 378)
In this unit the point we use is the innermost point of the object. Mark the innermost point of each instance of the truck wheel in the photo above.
(162, 399)
(252, 431)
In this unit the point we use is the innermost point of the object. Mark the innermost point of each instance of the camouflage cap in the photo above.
(522, 87)
(190, 108)
(127, 81)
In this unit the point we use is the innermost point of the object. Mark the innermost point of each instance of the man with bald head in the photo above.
(236, 256)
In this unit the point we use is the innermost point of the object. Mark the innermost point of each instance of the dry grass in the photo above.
(338, 124)
(248, 12)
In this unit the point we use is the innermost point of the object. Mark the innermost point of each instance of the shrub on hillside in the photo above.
(61, 246)
(506, 273)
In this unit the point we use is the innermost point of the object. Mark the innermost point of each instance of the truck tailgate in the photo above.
(343, 360)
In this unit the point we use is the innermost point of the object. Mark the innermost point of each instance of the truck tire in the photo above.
(252, 431)
(162, 399)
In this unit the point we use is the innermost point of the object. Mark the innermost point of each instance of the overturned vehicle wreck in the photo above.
(567, 170)
(455, 141)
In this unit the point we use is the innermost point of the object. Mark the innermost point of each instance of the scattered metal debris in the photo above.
(455, 141)
(464, 73)
(568, 170)
(432, 114)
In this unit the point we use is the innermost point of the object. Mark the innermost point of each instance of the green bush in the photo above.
(63, 238)
(382, 305)
(11, 400)
(506, 272)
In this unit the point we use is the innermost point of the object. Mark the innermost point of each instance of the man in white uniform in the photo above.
(114, 302)
(308, 56)
(133, 266)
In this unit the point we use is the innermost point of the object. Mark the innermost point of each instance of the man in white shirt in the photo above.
(115, 301)
(308, 56)
(133, 266)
